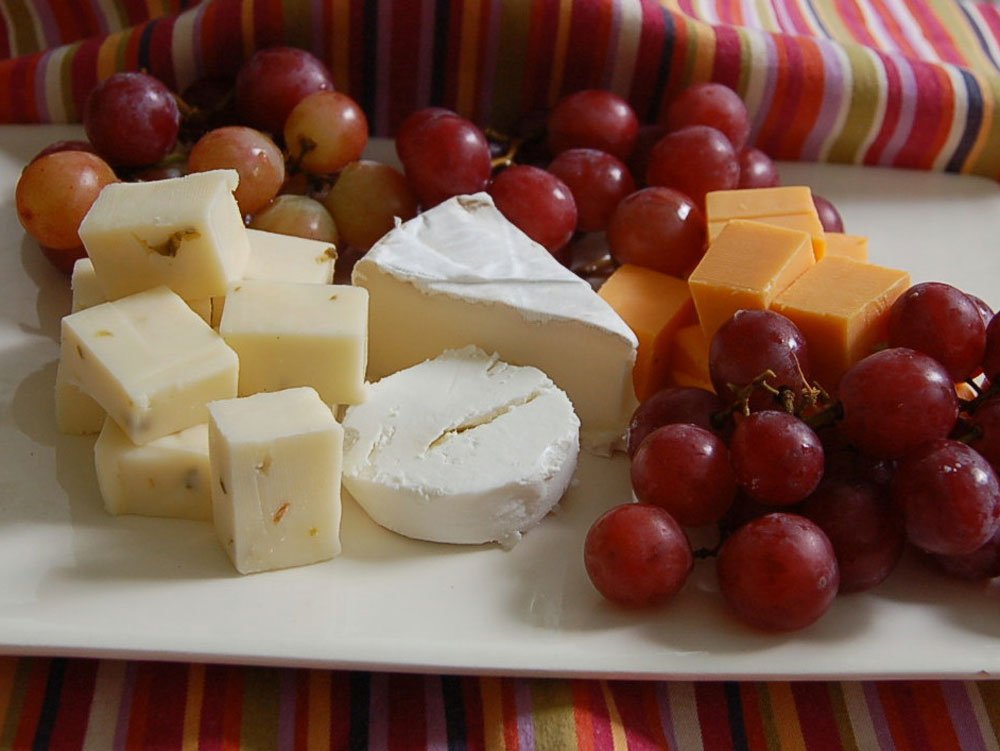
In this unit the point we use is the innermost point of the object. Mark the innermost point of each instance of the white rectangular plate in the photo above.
(75, 581)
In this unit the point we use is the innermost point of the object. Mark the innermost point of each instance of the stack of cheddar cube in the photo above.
(210, 358)
(767, 250)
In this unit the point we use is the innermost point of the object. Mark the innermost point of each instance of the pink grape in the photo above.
(694, 160)
(711, 104)
(593, 119)
(757, 170)
(132, 119)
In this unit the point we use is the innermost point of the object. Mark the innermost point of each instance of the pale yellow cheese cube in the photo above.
(76, 413)
(291, 334)
(168, 477)
(276, 467)
(87, 290)
(149, 361)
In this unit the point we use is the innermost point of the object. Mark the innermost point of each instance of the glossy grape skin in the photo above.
(273, 81)
(444, 156)
(748, 344)
(950, 497)
(637, 555)
(829, 217)
(406, 142)
(55, 192)
(538, 203)
(694, 160)
(675, 404)
(895, 400)
(777, 458)
(757, 170)
(660, 229)
(991, 353)
(981, 564)
(684, 469)
(325, 131)
(593, 119)
(943, 322)
(366, 199)
(132, 119)
(778, 572)
(985, 422)
(711, 104)
(863, 527)
(251, 153)
(598, 182)
(299, 216)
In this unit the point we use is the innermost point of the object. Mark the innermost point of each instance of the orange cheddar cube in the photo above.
(654, 306)
(842, 308)
(789, 206)
(689, 357)
(848, 246)
(747, 266)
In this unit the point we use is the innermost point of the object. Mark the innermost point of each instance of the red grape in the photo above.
(949, 495)
(132, 119)
(982, 563)
(598, 182)
(943, 322)
(538, 203)
(694, 160)
(895, 400)
(325, 131)
(757, 170)
(366, 200)
(660, 229)
(985, 422)
(273, 81)
(406, 142)
(593, 119)
(637, 555)
(711, 104)
(675, 404)
(829, 217)
(444, 156)
(984, 309)
(778, 459)
(778, 572)
(251, 153)
(991, 354)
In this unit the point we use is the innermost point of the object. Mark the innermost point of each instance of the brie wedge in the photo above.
(461, 274)
(463, 448)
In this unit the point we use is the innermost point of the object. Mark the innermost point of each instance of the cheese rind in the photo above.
(463, 448)
(462, 274)
(276, 469)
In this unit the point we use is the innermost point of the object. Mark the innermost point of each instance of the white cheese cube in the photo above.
(167, 477)
(289, 334)
(149, 361)
(276, 465)
(76, 413)
(186, 233)
(87, 290)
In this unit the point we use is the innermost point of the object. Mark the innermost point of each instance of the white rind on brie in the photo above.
(462, 274)
(463, 448)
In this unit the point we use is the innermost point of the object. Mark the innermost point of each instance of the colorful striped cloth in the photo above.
(85, 704)
(909, 84)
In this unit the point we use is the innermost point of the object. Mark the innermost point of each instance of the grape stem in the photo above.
(510, 155)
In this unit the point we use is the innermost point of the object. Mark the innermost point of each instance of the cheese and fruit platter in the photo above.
(594, 397)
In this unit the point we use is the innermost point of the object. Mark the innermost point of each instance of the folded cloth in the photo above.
(910, 84)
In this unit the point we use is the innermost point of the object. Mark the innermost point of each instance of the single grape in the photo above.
(252, 154)
(367, 199)
(778, 572)
(406, 142)
(991, 352)
(750, 343)
(985, 422)
(829, 217)
(132, 119)
(675, 404)
(444, 156)
(593, 119)
(684, 469)
(757, 170)
(55, 192)
(863, 527)
(299, 216)
(326, 131)
(985, 311)
(711, 104)
(273, 81)
(637, 555)
(981, 564)
(949, 495)
(777, 458)
(538, 203)
(694, 160)
(943, 322)
(660, 229)
(598, 182)
(895, 400)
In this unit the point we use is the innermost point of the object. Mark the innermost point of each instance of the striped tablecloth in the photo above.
(909, 83)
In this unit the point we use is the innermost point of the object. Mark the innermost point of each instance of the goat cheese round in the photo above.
(462, 448)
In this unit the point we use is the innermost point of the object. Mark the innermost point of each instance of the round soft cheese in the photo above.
(463, 448)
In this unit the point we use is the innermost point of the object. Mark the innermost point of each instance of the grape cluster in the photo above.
(814, 493)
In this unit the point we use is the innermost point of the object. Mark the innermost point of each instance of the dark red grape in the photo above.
(694, 160)
(684, 469)
(660, 229)
(132, 119)
(985, 422)
(949, 495)
(675, 404)
(637, 555)
(991, 353)
(943, 322)
(711, 104)
(538, 203)
(273, 81)
(444, 156)
(778, 572)
(598, 182)
(895, 400)
(406, 141)
(829, 217)
(778, 459)
(593, 119)
(757, 170)
(982, 563)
